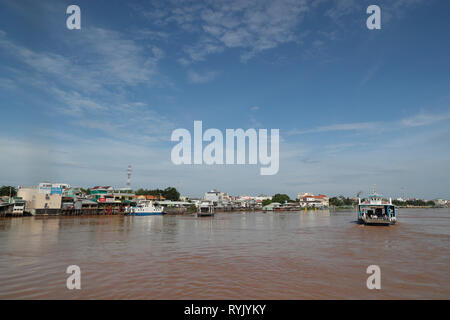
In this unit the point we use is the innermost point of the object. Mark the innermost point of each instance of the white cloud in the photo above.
(421, 119)
(343, 8)
(337, 127)
(252, 25)
(108, 58)
(370, 73)
(94, 91)
(117, 59)
(340, 10)
(200, 50)
(7, 84)
(424, 119)
(196, 77)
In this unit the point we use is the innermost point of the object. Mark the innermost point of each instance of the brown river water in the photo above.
(295, 255)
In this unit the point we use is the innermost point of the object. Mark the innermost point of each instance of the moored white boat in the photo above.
(145, 208)
(205, 209)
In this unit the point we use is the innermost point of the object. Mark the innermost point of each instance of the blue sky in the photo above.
(355, 107)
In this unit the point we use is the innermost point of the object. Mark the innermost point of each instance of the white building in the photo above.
(35, 199)
(310, 200)
(217, 198)
(52, 188)
(261, 198)
(440, 202)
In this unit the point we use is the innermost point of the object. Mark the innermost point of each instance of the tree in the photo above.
(334, 201)
(145, 192)
(398, 203)
(430, 203)
(341, 201)
(280, 198)
(348, 202)
(266, 202)
(192, 208)
(6, 191)
(85, 191)
(141, 192)
(171, 194)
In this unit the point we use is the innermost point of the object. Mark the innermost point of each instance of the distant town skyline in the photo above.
(354, 107)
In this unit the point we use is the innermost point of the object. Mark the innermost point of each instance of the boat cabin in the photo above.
(205, 209)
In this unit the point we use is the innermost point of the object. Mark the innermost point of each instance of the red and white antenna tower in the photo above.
(129, 177)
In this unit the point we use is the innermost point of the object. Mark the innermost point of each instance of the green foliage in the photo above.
(414, 203)
(145, 192)
(281, 198)
(341, 201)
(169, 193)
(85, 191)
(266, 202)
(192, 208)
(335, 201)
(6, 191)
(430, 203)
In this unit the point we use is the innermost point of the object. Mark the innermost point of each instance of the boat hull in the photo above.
(377, 222)
(143, 214)
(205, 214)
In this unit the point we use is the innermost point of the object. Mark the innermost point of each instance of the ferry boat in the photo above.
(19, 207)
(205, 209)
(376, 210)
(145, 208)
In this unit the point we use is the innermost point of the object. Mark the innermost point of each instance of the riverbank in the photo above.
(177, 211)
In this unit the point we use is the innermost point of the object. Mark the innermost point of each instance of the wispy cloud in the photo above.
(7, 83)
(421, 119)
(107, 58)
(251, 25)
(343, 8)
(197, 77)
(200, 50)
(340, 11)
(255, 26)
(337, 127)
(117, 59)
(370, 73)
(94, 83)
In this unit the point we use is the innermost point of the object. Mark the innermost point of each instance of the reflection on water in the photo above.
(295, 255)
